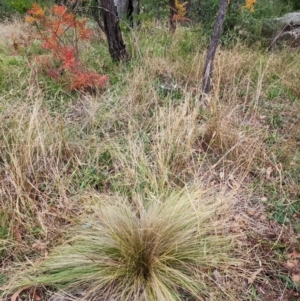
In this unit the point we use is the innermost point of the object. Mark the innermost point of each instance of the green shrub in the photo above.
(16, 6)
(11, 7)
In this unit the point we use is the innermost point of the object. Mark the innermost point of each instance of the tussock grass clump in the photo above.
(155, 252)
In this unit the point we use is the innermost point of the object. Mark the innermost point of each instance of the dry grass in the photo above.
(36, 163)
(138, 141)
(11, 29)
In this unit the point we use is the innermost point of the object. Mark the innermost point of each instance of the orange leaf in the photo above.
(36, 10)
(86, 34)
(68, 57)
(180, 18)
(30, 19)
(36, 297)
(69, 19)
(58, 10)
(86, 79)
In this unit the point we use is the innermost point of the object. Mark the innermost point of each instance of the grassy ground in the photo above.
(74, 166)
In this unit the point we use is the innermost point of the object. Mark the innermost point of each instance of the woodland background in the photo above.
(117, 182)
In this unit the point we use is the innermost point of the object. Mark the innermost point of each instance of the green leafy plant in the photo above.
(19, 6)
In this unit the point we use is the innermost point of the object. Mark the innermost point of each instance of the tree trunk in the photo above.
(210, 56)
(136, 7)
(96, 13)
(128, 9)
(173, 12)
(133, 11)
(112, 30)
(122, 7)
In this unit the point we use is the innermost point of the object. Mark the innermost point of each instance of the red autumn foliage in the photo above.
(59, 33)
(68, 58)
(93, 79)
(36, 11)
(59, 10)
(179, 18)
